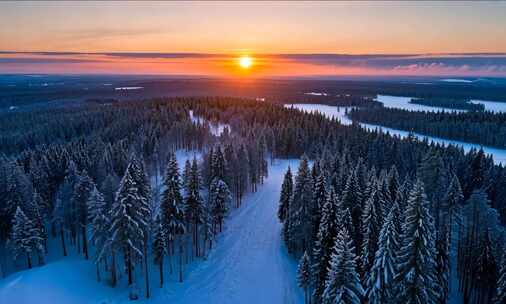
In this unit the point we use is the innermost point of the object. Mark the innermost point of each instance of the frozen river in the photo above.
(402, 102)
(339, 113)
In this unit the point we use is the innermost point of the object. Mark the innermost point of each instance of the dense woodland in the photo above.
(484, 128)
(457, 104)
(373, 218)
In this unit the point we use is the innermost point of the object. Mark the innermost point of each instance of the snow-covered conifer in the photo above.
(343, 282)
(417, 256)
(25, 237)
(380, 280)
(285, 196)
(304, 275)
(220, 199)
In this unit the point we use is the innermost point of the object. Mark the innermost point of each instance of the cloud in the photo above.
(486, 64)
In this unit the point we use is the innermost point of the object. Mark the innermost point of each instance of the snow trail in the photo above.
(249, 263)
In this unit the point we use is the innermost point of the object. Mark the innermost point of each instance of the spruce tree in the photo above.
(417, 256)
(25, 237)
(343, 282)
(194, 205)
(500, 297)
(285, 196)
(304, 276)
(159, 245)
(220, 199)
(172, 208)
(380, 280)
(82, 190)
(371, 226)
(299, 228)
(125, 230)
(99, 220)
(324, 243)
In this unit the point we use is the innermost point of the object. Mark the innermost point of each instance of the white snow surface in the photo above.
(248, 264)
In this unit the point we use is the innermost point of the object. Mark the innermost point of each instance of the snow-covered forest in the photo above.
(161, 208)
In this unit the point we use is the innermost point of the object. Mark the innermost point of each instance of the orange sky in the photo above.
(215, 33)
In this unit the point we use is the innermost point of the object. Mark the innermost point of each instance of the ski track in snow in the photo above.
(248, 264)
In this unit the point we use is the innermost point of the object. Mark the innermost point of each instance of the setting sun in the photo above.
(245, 62)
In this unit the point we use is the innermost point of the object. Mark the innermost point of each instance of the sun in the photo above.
(245, 62)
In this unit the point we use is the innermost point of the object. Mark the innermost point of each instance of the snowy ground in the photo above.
(247, 265)
(216, 128)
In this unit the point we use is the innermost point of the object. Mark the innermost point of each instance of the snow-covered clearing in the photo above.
(216, 128)
(248, 264)
(338, 113)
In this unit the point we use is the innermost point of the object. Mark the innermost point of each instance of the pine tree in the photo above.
(25, 237)
(343, 282)
(380, 280)
(417, 256)
(304, 276)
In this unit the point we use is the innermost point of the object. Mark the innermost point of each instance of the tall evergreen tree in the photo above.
(299, 228)
(324, 243)
(220, 199)
(343, 282)
(500, 297)
(99, 220)
(194, 205)
(380, 280)
(417, 256)
(82, 190)
(371, 226)
(303, 276)
(159, 245)
(172, 208)
(126, 232)
(25, 237)
(285, 196)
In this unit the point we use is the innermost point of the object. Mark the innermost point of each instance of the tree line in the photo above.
(484, 128)
(457, 104)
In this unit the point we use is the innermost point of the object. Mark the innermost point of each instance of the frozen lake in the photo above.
(329, 111)
(402, 102)
(499, 155)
